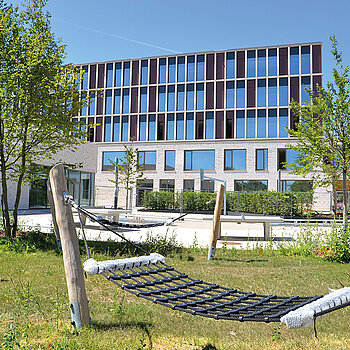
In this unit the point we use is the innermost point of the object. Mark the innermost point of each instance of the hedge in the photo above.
(263, 202)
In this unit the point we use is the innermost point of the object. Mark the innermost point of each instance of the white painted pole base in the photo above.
(211, 253)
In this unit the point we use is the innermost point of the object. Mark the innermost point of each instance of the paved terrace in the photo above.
(194, 229)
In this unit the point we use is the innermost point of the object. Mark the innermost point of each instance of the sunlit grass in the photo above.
(34, 305)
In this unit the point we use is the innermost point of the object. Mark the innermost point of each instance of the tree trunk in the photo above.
(334, 196)
(16, 206)
(20, 180)
(5, 204)
(345, 199)
(4, 195)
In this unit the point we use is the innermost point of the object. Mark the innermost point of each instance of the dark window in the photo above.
(210, 67)
(188, 185)
(135, 72)
(286, 156)
(152, 98)
(167, 185)
(210, 96)
(294, 89)
(283, 61)
(199, 125)
(98, 130)
(250, 185)
(92, 82)
(133, 127)
(219, 125)
(142, 188)
(250, 93)
(316, 59)
(207, 186)
(296, 186)
(134, 99)
(229, 125)
(161, 127)
(220, 65)
(153, 72)
(101, 76)
(220, 94)
(240, 64)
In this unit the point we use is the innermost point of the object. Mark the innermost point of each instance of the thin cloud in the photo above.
(120, 37)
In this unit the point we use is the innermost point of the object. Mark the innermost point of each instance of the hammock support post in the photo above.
(70, 248)
(216, 222)
(52, 208)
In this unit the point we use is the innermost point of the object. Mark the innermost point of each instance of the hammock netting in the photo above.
(149, 277)
(162, 284)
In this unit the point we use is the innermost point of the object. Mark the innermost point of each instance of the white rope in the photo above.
(304, 316)
(93, 267)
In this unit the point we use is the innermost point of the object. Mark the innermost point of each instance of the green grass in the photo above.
(34, 305)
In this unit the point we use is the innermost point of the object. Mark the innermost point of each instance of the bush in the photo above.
(263, 202)
(333, 245)
(31, 241)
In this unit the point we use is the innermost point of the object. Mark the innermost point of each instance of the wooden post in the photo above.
(70, 247)
(216, 222)
(53, 214)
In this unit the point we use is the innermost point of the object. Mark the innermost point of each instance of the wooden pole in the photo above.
(216, 222)
(53, 214)
(70, 247)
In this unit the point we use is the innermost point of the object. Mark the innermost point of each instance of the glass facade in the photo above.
(235, 159)
(242, 80)
(199, 100)
(199, 159)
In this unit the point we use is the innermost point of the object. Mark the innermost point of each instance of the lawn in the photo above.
(34, 305)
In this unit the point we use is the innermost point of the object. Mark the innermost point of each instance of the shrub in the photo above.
(263, 202)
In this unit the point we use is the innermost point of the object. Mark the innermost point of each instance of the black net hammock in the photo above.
(149, 277)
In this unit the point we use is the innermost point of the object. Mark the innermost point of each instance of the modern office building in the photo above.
(223, 111)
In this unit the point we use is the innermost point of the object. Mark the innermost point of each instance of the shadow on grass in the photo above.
(242, 260)
(143, 326)
(210, 347)
(107, 326)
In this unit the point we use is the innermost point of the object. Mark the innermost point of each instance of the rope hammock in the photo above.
(149, 277)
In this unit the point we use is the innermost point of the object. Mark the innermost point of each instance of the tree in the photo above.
(129, 170)
(323, 130)
(38, 98)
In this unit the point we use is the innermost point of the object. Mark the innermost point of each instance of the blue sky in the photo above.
(114, 29)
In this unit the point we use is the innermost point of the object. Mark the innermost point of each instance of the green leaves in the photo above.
(38, 95)
(323, 131)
